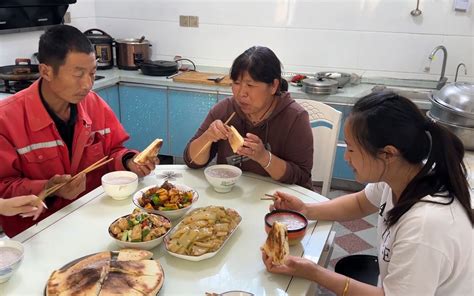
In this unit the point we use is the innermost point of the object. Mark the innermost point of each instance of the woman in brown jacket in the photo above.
(277, 134)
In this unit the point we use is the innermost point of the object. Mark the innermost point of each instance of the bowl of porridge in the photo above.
(222, 177)
(296, 224)
(11, 256)
(120, 184)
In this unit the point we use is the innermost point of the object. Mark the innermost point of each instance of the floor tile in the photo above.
(352, 243)
(340, 229)
(372, 219)
(371, 251)
(357, 225)
(368, 235)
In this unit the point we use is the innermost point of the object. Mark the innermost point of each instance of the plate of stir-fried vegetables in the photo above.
(170, 200)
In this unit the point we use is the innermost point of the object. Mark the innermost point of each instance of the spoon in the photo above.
(416, 11)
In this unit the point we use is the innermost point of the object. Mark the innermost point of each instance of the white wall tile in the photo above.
(362, 36)
(397, 52)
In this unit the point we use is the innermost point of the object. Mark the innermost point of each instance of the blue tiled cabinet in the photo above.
(144, 115)
(111, 96)
(187, 110)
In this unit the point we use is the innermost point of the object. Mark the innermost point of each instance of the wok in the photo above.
(161, 68)
(22, 70)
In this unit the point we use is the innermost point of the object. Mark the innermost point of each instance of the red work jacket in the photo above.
(32, 150)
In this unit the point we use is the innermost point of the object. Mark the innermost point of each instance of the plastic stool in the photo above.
(364, 268)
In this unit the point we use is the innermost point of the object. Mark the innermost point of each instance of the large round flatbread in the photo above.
(132, 272)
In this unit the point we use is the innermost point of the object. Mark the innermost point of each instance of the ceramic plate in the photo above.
(201, 257)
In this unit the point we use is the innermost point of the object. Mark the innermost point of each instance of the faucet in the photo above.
(457, 70)
(442, 80)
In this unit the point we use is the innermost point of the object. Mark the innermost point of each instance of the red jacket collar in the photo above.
(41, 118)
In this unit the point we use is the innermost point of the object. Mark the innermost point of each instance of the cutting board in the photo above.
(201, 77)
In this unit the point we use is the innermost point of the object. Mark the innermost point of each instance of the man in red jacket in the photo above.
(57, 127)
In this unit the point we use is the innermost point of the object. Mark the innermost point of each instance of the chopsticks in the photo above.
(47, 192)
(209, 142)
(269, 197)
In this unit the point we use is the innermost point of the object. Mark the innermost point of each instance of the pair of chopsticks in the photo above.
(47, 192)
(269, 197)
(209, 142)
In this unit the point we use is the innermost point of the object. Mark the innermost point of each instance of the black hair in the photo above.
(58, 41)
(385, 118)
(262, 65)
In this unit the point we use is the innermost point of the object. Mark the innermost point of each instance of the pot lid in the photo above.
(458, 96)
(320, 82)
(163, 64)
(132, 41)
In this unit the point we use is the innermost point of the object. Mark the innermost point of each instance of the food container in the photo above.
(222, 177)
(120, 184)
(295, 222)
(170, 214)
(11, 256)
(319, 86)
(144, 245)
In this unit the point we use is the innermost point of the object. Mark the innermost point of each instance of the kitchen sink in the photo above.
(402, 83)
(414, 94)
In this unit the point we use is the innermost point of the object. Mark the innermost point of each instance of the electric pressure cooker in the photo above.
(102, 43)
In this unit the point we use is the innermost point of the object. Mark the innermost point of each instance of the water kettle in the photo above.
(103, 44)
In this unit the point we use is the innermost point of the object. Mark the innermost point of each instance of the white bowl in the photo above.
(11, 256)
(148, 245)
(171, 214)
(222, 176)
(120, 184)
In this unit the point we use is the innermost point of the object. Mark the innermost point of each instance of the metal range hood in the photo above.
(26, 15)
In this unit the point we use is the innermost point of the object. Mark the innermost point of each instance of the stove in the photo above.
(11, 87)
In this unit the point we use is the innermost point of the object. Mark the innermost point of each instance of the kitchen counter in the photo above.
(347, 95)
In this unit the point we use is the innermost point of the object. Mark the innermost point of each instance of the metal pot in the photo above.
(319, 86)
(132, 52)
(454, 104)
(341, 78)
(103, 44)
(465, 134)
(22, 70)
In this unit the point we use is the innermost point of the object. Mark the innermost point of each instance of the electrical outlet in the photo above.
(193, 21)
(67, 17)
(184, 20)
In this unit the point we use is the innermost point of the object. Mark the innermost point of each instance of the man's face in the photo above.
(75, 78)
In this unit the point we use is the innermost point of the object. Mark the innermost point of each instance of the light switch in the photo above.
(184, 20)
(193, 21)
(461, 5)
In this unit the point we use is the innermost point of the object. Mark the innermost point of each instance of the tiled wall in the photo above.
(370, 37)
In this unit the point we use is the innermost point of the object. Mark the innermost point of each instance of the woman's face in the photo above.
(253, 97)
(367, 169)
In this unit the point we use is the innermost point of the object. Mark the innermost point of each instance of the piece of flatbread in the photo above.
(134, 254)
(150, 152)
(116, 284)
(87, 281)
(276, 246)
(235, 139)
(137, 267)
(85, 274)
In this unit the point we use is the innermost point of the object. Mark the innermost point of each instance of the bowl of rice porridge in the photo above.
(222, 177)
(11, 256)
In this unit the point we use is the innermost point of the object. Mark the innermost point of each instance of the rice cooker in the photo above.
(103, 44)
(132, 52)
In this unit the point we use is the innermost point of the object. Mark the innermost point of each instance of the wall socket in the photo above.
(194, 21)
(67, 17)
(184, 20)
(189, 21)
